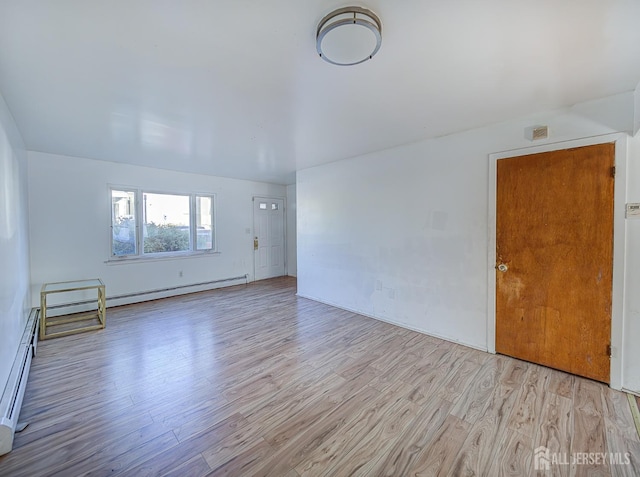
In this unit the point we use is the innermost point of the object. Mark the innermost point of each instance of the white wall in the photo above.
(292, 264)
(631, 359)
(402, 234)
(70, 225)
(14, 243)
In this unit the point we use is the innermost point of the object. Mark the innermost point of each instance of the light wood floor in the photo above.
(252, 380)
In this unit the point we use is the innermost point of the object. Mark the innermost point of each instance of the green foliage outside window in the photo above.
(165, 238)
(124, 237)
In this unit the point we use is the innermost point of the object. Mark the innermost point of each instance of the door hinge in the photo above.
(613, 171)
(609, 351)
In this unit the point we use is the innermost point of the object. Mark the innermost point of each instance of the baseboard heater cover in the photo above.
(244, 277)
(11, 400)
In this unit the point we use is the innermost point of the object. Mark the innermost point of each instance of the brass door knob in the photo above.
(502, 267)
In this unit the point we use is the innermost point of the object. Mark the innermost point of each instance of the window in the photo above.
(166, 223)
(171, 223)
(123, 223)
(204, 223)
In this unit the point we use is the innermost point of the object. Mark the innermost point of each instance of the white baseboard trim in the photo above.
(396, 323)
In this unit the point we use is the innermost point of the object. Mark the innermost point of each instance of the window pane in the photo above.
(204, 223)
(123, 222)
(166, 223)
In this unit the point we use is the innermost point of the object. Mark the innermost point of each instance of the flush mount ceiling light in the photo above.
(349, 36)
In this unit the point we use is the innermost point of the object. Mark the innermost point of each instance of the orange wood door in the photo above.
(554, 236)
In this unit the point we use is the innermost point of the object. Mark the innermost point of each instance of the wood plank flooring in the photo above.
(252, 380)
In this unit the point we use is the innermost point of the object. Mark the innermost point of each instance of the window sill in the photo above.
(159, 258)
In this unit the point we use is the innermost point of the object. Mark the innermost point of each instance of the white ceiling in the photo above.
(235, 87)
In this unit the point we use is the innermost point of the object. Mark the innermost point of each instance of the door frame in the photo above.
(619, 240)
(284, 229)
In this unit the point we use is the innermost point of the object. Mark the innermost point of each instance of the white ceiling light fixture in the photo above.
(349, 36)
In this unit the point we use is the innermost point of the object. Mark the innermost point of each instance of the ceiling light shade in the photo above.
(349, 36)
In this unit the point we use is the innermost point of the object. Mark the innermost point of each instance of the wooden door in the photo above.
(268, 227)
(554, 259)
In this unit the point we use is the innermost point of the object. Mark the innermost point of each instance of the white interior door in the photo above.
(268, 243)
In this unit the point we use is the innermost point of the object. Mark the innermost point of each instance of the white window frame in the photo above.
(138, 194)
(135, 192)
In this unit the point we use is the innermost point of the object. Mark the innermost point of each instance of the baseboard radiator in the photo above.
(11, 399)
(148, 294)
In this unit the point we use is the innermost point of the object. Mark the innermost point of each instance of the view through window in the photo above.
(171, 223)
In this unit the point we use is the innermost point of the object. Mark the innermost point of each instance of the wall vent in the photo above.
(535, 133)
